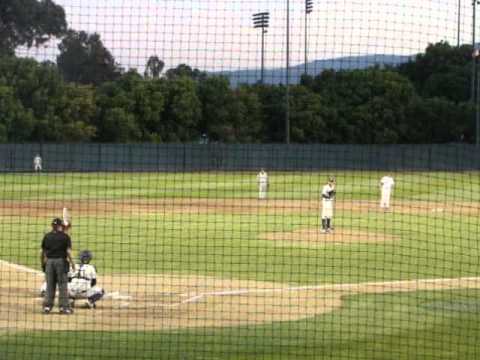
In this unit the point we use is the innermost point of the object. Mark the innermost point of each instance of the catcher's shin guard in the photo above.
(96, 297)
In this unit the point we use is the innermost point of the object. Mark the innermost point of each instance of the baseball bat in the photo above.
(66, 218)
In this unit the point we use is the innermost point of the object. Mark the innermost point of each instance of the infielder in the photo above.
(83, 282)
(386, 185)
(37, 163)
(262, 180)
(328, 198)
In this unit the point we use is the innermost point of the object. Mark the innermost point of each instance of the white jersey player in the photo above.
(328, 198)
(386, 185)
(262, 180)
(83, 282)
(37, 163)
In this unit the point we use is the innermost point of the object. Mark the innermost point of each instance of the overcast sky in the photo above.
(218, 34)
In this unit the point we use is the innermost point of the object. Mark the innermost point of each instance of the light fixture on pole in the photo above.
(308, 10)
(260, 21)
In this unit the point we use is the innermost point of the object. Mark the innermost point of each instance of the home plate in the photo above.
(117, 296)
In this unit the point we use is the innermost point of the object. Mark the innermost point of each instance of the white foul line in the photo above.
(375, 287)
(20, 267)
(367, 287)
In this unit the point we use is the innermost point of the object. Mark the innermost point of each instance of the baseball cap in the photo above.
(57, 221)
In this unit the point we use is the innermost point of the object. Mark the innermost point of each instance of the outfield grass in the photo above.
(388, 326)
(441, 186)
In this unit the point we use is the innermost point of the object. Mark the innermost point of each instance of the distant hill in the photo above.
(277, 76)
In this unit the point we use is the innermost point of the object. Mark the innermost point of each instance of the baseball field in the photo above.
(196, 267)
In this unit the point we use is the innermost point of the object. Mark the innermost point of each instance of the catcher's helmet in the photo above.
(57, 221)
(85, 256)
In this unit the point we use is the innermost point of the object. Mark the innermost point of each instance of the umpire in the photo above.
(56, 259)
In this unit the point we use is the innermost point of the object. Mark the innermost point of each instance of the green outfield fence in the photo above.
(241, 157)
(153, 120)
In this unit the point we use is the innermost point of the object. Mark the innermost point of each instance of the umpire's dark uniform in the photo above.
(55, 246)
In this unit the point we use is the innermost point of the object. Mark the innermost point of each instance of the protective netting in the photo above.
(153, 130)
(192, 71)
(219, 36)
(199, 254)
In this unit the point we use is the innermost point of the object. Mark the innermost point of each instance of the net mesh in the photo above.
(219, 36)
(334, 251)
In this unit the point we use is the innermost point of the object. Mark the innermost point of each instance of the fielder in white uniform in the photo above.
(83, 282)
(37, 163)
(262, 180)
(386, 185)
(328, 199)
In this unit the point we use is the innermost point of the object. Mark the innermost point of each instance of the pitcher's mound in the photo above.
(314, 236)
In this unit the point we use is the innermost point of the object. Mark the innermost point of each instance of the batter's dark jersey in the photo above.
(56, 244)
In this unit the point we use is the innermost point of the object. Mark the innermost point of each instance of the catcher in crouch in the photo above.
(83, 282)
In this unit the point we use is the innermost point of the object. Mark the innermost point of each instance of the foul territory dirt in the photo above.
(155, 302)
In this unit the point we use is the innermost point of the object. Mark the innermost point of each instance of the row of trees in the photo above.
(359, 106)
(87, 96)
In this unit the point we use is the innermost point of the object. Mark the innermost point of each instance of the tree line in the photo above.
(86, 96)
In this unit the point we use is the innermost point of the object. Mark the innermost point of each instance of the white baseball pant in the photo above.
(262, 190)
(385, 198)
(327, 208)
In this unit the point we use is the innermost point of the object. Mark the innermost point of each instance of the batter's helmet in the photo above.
(85, 256)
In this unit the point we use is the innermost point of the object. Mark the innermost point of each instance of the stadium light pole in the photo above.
(475, 81)
(477, 104)
(308, 10)
(472, 82)
(287, 79)
(260, 21)
(459, 19)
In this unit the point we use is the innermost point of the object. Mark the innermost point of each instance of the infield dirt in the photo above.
(154, 302)
(314, 236)
(97, 207)
(166, 301)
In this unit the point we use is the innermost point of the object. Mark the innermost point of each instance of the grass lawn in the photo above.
(421, 325)
(417, 325)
